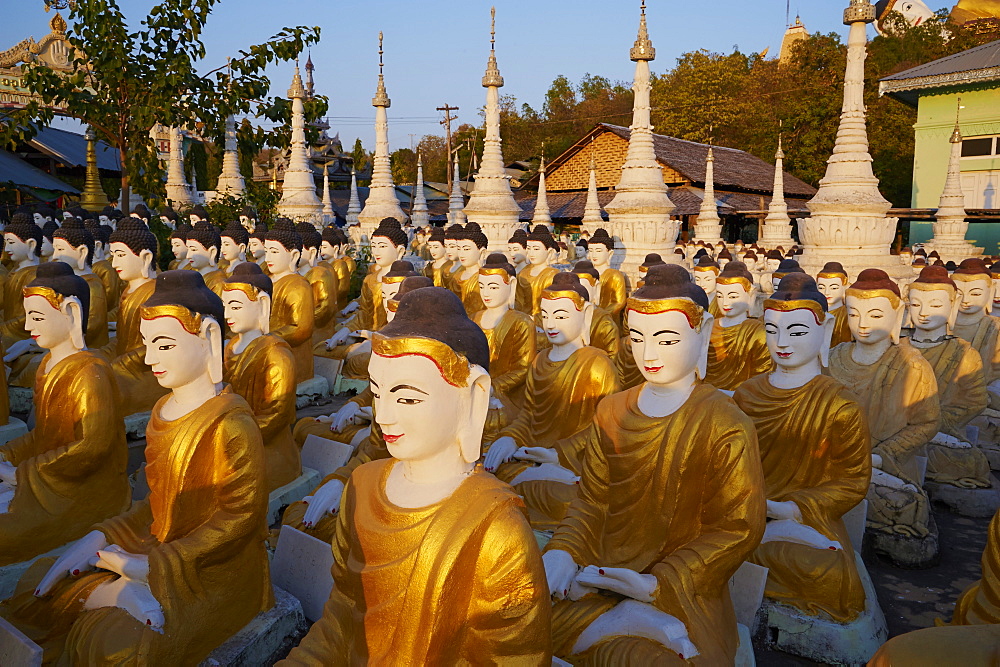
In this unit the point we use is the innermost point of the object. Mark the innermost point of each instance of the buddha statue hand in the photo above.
(350, 308)
(548, 472)
(787, 510)
(501, 451)
(495, 403)
(326, 500)
(339, 338)
(344, 416)
(950, 441)
(621, 580)
(8, 473)
(75, 560)
(560, 572)
(123, 563)
(537, 454)
(19, 348)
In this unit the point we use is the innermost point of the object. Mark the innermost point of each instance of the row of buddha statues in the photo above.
(655, 438)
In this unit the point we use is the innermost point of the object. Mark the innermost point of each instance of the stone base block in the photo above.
(744, 654)
(267, 638)
(823, 640)
(967, 502)
(135, 425)
(301, 566)
(329, 369)
(14, 428)
(993, 456)
(10, 574)
(16, 648)
(912, 553)
(21, 399)
(309, 392)
(292, 492)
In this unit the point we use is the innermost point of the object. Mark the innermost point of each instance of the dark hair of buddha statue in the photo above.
(25, 231)
(670, 281)
(601, 236)
(74, 233)
(59, 277)
(542, 234)
(236, 232)
(566, 282)
(390, 229)
(207, 235)
(250, 273)
(284, 232)
(136, 236)
(519, 237)
(188, 290)
(498, 261)
(310, 237)
(474, 233)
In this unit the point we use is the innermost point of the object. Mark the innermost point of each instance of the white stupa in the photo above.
(298, 191)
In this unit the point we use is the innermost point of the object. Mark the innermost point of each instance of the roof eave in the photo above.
(906, 90)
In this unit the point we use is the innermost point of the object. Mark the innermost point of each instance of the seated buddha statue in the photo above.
(186, 568)
(640, 566)
(797, 412)
(451, 236)
(602, 331)
(961, 386)
(233, 240)
(256, 252)
(292, 301)
(260, 367)
(203, 243)
(331, 252)
(434, 269)
(73, 244)
(995, 303)
(648, 262)
(322, 279)
(974, 324)
(706, 273)
(614, 287)
(69, 471)
(510, 333)
(517, 249)
(178, 246)
(832, 282)
(470, 250)
(739, 346)
(22, 240)
(540, 251)
(896, 387)
(101, 266)
(787, 265)
(387, 245)
(448, 542)
(772, 260)
(563, 388)
(133, 256)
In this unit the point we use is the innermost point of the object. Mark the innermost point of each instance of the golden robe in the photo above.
(292, 319)
(614, 292)
(467, 290)
(97, 317)
(512, 349)
(264, 375)
(814, 450)
(324, 287)
(958, 370)
(713, 307)
(983, 337)
(370, 315)
(139, 389)
(530, 288)
(342, 270)
(12, 329)
(841, 329)
(680, 498)
(113, 285)
(737, 353)
(203, 527)
(435, 273)
(456, 582)
(628, 371)
(71, 466)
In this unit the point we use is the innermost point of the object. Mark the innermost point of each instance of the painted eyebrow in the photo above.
(408, 386)
(372, 382)
(162, 338)
(666, 331)
(35, 312)
(798, 324)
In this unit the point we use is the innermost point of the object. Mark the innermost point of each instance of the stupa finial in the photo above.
(492, 76)
(381, 98)
(643, 48)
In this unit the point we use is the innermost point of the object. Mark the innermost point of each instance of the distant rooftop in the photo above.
(977, 65)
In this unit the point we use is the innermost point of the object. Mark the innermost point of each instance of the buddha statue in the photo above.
(322, 279)
(255, 246)
(74, 245)
(896, 387)
(799, 412)
(434, 269)
(178, 246)
(233, 240)
(292, 300)
(540, 251)
(133, 256)
(388, 245)
(724, 257)
(101, 265)
(509, 332)
(670, 501)
(563, 388)
(248, 219)
(648, 262)
(786, 266)
(470, 251)
(772, 260)
(449, 541)
(614, 287)
(22, 242)
(186, 568)
(961, 386)
(739, 346)
(974, 325)
(203, 243)
(451, 236)
(706, 273)
(331, 252)
(995, 275)
(48, 230)
(832, 282)
(68, 472)
(517, 249)
(260, 367)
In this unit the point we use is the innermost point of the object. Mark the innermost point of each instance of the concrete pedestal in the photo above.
(135, 425)
(267, 638)
(309, 392)
(21, 399)
(913, 553)
(301, 565)
(16, 648)
(14, 428)
(967, 502)
(290, 493)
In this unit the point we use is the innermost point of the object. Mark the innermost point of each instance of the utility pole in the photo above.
(447, 109)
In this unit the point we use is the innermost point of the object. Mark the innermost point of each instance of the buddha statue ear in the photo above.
(264, 301)
(588, 320)
(32, 244)
(552, 255)
(708, 320)
(213, 254)
(295, 256)
(483, 252)
(512, 299)
(148, 270)
(212, 333)
(243, 249)
(956, 304)
(897, 328)
(400, 252)
(470, 432)
(824, 351)
(74, 312)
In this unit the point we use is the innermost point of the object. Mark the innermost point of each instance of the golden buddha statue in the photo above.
(292, 303)
(798, 412)
(896, 387)
(832, 282)
(331, 251)
(23, 244)
(563, 388)
(973, 323)
(706, 273)
(640, 566)
(186, 568)
(739, 347)
(388, 245)
(510, 333)
(68, 472)
(435, 268)
(101, 266)
(133, 256)
(434, 562)
(540, 251)
(322, 279)
(178, 247)
(614, 286)
(203, 243)
(233, 243)
(517, 249)
(470, 249)
(260, 367)
(73, 244)
(961, 386)
(602, 331)
(257, 253)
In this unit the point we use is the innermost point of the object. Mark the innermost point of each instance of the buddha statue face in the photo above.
(932, 311)
(436, 250)
(795, 339)
(772, 264)
(833, 289)
(468, 253)
(39, 219)
(248, 224)
(244, 314)
(537, 253)
(50, 326)
(46, 247)
(130, 266)
(18, 250)
(63, 251)
(103, 219)
(451, 249)
(665, 346)
(599, 254)
(384, 253)
(178, 357)
(231, 250)
(915, 12)
(516, 253)
(280, 259)
(873, 320)
(734, 299)
(327, 251)
(707, 281)
(424, 417)
(975, 296)
(200, 257)
(561, 321)
(389, 291)
(906, 257)
(179, 248)
(494, 291)
(257, 249)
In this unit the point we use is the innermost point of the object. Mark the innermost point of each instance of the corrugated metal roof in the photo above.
(977, 65)
(979, 57)
(15, 170)
(71, 149)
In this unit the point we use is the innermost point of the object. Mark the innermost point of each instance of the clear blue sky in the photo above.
(436, 50)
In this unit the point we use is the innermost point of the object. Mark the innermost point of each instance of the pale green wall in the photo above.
(935, 122)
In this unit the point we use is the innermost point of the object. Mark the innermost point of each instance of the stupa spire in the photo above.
(541, 215)
(456, 201)
(354, 204)
(950, 225)
(178, 190)
(777, 230)
(419, 216)
(592, 218)
(328, 214)
(708, 226)
(231, 180)
(298, 192)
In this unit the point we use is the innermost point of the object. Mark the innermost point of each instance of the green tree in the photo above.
(123, 81)
(362, 159)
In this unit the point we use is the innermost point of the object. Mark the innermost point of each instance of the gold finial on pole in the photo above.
(379, 51)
